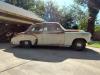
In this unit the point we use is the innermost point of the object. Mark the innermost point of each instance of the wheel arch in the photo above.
(83, 42)
(35, 43)
(79, 39)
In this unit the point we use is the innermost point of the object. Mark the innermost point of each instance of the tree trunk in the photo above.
(91, 21)
(91, 25)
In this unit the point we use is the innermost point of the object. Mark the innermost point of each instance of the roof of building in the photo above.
(19, 12)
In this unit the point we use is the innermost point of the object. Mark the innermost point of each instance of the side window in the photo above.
(45, 29)
(33, 29)
(37, 29)
(52, 28)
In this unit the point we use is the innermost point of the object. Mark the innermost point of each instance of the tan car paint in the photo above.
(16, 40)
(63, 37)
(71, 36)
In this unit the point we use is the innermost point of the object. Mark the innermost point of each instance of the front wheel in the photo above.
(79, 45)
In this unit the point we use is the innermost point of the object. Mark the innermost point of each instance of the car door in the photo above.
(53, 35)
(37, 31)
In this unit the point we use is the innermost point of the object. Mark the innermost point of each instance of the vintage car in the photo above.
(52, 34)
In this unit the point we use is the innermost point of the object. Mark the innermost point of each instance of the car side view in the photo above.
(51, 34)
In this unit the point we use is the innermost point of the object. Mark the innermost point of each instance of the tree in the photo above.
(94, 6)
(36, 6)
(67, 19)
(52, 12)
(80, 16)
(83, 23)
(81, 2)
(73, 15)
(39, 8)
(26, 4)
(14, 2)
(63, 15)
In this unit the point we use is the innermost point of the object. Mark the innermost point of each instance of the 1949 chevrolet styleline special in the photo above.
(53, 34)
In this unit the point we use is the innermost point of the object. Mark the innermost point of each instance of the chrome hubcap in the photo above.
(26, 43)
(79, 45)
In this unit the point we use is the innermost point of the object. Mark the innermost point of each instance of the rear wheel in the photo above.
(25, 43)
(79, 45)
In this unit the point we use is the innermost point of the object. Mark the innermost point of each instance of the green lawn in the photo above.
(95, 44)
(97, 28)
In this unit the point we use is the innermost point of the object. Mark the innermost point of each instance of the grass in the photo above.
(95, 44)
(97, 28)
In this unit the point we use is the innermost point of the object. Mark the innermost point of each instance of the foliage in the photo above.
(83, 23)
(75, 27)
(93, 6)
(67, 20)
(79, 16)
(36, 6)
(67, 16)
(52, 12)
(81, 2)
(72, 15)
(26, 4)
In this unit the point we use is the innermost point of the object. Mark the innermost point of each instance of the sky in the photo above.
(61, 3)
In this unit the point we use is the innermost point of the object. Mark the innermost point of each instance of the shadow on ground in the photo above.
(53, 54)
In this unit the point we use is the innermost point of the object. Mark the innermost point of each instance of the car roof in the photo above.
(49, 23)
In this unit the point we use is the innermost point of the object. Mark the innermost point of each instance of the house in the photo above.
(14, 19)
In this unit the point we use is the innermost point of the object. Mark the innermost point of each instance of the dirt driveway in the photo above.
(48, 61)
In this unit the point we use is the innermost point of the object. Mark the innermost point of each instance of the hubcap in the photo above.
(79, 45)
(26, 43)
